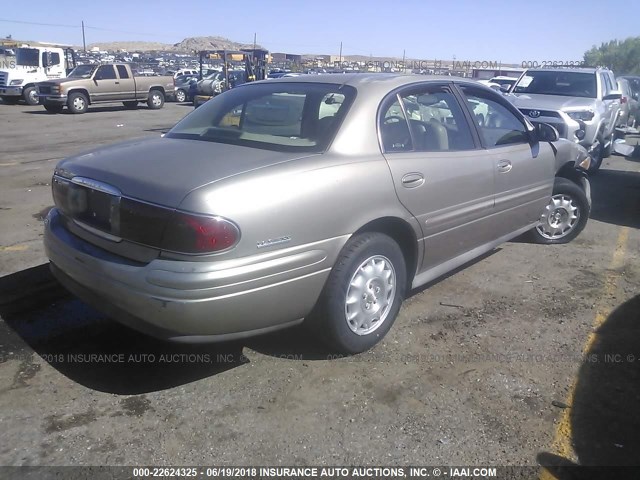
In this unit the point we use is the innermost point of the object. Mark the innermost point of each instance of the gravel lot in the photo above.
(478, 369)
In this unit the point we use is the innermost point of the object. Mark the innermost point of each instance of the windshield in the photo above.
(570, 84)
(282, 117)
(82, 71)
(29, 57)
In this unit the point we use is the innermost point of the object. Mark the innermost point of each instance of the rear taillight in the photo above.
(623, 100)
(198, 234)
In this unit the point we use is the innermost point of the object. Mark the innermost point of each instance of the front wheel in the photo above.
(30, 96)
(155, 100)
(565, 216)
(363, 294)
(77, 102)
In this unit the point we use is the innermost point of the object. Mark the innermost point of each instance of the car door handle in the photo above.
(412, 180)
(117, 83)
(504, 166)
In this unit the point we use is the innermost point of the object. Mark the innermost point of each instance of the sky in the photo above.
(484, 30)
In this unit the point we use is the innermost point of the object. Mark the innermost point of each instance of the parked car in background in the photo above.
(182, 85)
(634, 86)
(312, 198)
(628, 104)
(186, 71)
(581, 103)
(91, 84)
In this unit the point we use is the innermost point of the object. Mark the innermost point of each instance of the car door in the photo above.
(440, 174)
(612, 107)
(523, 170)
(105, 86)
(127, 85)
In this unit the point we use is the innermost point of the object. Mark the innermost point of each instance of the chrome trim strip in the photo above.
(96, 185)
(95, 231)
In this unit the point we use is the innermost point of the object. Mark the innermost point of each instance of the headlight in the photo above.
(17, 81)
(585, 163)
(584, 115)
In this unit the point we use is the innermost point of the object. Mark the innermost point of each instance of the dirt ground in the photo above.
(483, 367)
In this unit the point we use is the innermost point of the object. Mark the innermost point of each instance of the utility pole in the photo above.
(84, 42)
(404, 69)
(254, 40)
(340, 54)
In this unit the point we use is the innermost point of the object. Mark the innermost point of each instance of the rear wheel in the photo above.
(77, 102)
(130, 104)
(181, 95)
(30, 96)
(155, 100)
(565, 216)
(363, 294)
(53, 108)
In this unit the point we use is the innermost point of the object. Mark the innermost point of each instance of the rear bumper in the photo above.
(194, 301)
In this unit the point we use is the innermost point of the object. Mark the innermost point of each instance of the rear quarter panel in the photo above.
(310, 199)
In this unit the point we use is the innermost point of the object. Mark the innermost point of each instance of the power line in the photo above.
(5, 20)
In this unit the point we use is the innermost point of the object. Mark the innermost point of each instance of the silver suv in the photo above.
(581, 103)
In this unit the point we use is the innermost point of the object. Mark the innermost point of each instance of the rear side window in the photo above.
(122, 71)
(278, 116)
(498, 125)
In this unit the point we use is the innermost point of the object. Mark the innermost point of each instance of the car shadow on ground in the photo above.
(615, 196)
(89, 348)
(605, 414)
(92, 109)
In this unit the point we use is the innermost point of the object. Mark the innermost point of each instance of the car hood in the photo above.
(164, 170)
(549, 102)
(58, 81)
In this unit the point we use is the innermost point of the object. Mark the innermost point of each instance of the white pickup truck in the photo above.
(21, 68)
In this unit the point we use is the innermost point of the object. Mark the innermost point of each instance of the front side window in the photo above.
(497, 124)
(279, 116)
(105, 72)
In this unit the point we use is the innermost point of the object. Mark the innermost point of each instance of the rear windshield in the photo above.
(570, 84)
(274, 116)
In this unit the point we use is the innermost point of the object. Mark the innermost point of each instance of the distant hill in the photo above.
(188, 45)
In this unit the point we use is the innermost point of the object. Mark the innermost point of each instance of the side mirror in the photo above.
(545, 132)
(504, 88)
(634, 95)
(46, 60)
(613, 95)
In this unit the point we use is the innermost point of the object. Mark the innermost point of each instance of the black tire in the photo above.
(564, 189)
(53, 108)
(606, 152)
(77, 102)
(329, 318)
(181, 95)
(131, 105)
(10, 100)
(30, 96)
(155, 100)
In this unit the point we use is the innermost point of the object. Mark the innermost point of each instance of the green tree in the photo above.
(623, 57)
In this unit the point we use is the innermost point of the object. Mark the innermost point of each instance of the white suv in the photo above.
(581, 103)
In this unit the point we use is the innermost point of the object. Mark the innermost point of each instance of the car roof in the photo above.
(569, 70)
(371, 81)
